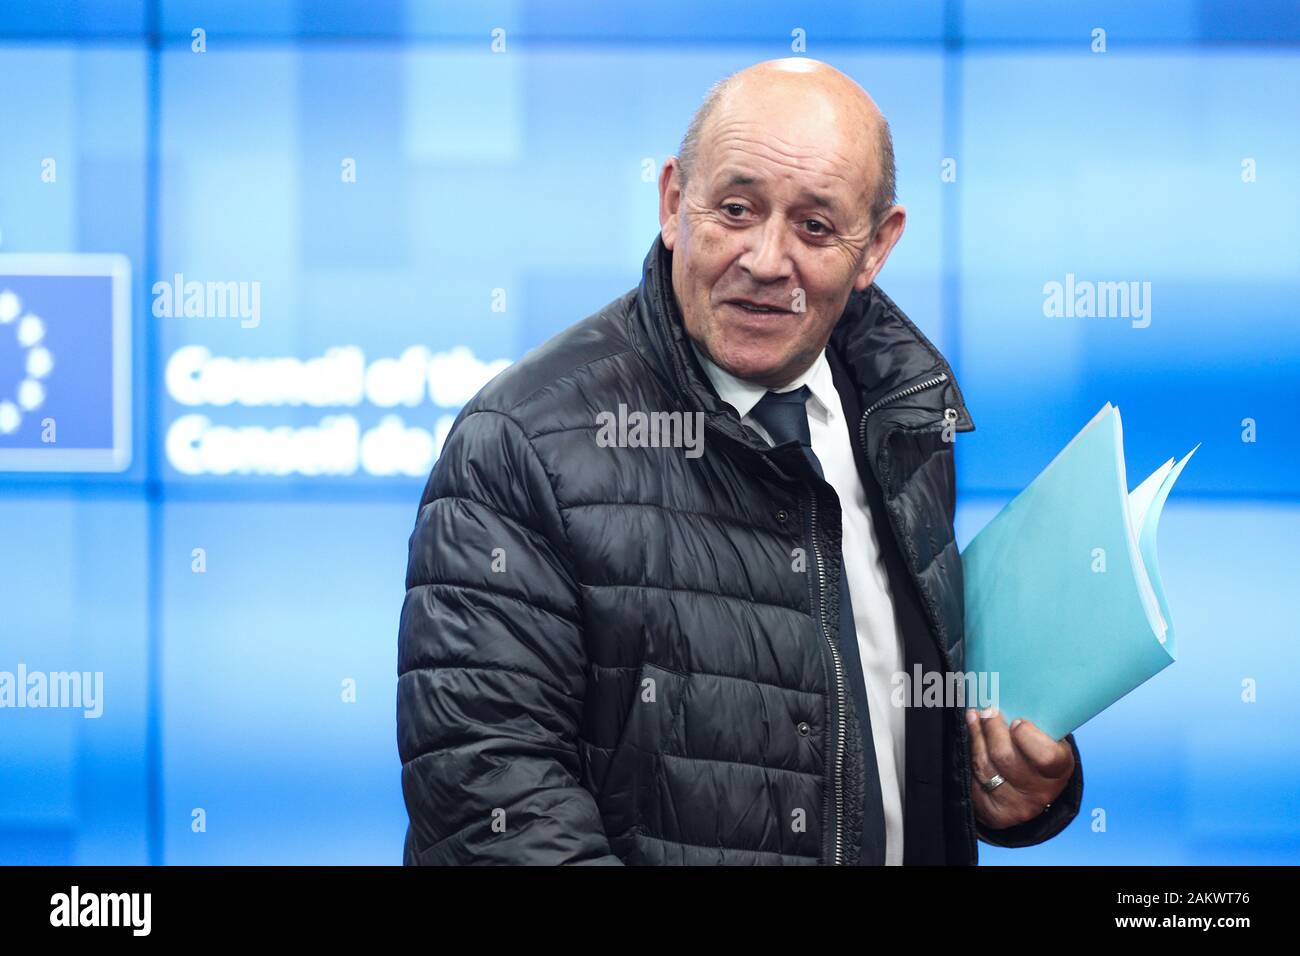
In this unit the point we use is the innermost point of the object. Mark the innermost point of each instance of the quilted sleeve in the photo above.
(491, 666)
(1048, 823)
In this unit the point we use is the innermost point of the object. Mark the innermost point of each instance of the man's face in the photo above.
(768, 241)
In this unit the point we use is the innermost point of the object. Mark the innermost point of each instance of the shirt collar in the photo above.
(743, 395)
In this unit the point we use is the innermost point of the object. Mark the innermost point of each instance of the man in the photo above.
(668, 564)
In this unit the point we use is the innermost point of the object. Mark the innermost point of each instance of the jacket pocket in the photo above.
(650, 722)
(655, 715)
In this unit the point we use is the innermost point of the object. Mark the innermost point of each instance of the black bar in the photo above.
(1001, 906)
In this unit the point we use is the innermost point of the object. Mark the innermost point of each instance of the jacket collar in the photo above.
(743, 396)
(882, 351)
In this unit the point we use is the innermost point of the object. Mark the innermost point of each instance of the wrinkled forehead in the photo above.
(786, 141)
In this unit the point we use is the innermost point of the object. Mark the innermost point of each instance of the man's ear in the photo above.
(670, 200)
(882, 244)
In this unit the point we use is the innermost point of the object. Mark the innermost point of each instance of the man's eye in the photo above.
(733, 205)
(821, 228)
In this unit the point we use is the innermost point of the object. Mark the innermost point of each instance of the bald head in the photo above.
(798, 90)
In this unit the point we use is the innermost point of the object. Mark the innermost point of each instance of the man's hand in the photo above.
(1036, 768)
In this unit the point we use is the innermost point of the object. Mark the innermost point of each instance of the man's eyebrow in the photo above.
(817, 199)
(825, 202)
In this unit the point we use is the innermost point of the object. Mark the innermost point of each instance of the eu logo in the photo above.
(65, 363)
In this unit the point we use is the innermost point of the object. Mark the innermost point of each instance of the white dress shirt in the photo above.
(879, 642)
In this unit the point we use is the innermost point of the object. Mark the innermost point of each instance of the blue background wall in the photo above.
(524, 171)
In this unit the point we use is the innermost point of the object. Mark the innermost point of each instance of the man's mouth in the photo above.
(758, 308)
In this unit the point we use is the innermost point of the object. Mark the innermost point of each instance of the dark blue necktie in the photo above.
(785, 417)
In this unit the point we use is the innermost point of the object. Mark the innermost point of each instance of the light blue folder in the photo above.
(1063, 596)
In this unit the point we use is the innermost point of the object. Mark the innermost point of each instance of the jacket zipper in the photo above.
(910, 390)
(862, 440)
(838, 843)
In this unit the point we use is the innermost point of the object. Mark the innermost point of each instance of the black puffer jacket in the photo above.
(617, 654)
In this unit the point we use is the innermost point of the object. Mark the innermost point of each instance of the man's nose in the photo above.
(768, 256)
